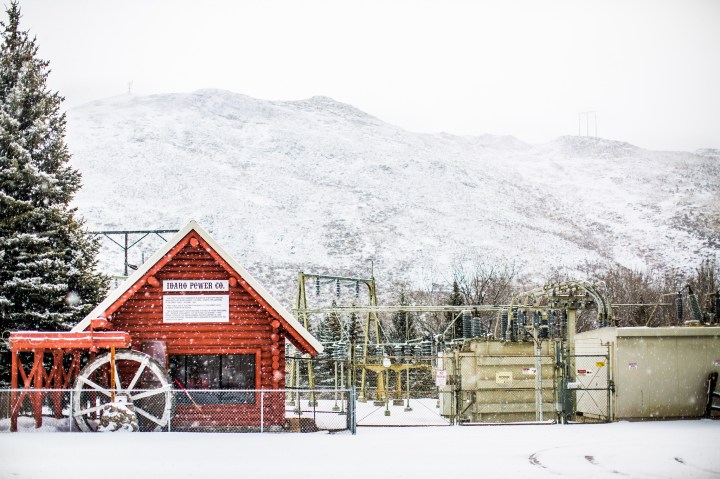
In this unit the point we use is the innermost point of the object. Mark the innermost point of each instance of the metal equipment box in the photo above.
(656, 372)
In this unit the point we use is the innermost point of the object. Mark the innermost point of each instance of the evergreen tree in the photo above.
(330, 331)
(455, 299)
(403, 322)
(47, 260)
(353, 330)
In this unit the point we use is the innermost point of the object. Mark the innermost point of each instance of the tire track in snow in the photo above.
(534, 460)
(684, 463)
(591, 460)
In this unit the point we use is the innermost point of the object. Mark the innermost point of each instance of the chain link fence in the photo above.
(459, 387)
(54, 410)
(392, 390)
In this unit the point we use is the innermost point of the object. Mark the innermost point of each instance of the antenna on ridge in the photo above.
(590, 118)
(130, 83)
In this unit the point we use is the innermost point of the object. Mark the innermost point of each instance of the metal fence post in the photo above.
(170, 418)
(456, 390)
(262, 410)
(351, 411)
(70, 409)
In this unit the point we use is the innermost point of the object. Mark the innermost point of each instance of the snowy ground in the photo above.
(673, 449)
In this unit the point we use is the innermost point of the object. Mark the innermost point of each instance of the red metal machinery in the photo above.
(94, 386)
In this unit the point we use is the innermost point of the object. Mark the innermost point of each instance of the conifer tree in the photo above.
(403, 322)
(455, 299)
(330, 331)
(47, 261)
(353, 332)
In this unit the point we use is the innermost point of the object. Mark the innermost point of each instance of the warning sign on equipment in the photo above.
(503, 378)
(441, 377)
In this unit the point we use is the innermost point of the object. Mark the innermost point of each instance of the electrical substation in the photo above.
(517, 362)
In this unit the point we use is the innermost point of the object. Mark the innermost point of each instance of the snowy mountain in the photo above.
(320, 186)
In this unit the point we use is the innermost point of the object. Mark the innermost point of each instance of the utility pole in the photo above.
(587, 116)
(126, 244)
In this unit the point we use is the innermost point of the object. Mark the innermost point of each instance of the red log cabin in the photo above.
(198, 312)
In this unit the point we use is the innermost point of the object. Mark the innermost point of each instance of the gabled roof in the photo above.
(298, 335)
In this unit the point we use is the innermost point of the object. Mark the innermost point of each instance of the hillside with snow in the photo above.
(319, 186)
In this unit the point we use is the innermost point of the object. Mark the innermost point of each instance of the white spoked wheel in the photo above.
(139, 378)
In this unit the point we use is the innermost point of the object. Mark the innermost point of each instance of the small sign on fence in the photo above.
(441, 377)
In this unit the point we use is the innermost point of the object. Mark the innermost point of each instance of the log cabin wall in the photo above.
(249, 330)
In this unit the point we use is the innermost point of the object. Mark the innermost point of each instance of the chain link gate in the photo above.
(590, 382)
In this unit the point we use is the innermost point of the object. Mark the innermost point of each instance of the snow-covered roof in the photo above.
(128, 288)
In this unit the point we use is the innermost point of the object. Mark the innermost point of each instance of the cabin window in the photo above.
(214, 371)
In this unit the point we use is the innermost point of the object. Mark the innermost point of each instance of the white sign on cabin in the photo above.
(196, 309)
(195, 285)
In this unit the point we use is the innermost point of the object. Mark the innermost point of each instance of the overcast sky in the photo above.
(649, 69)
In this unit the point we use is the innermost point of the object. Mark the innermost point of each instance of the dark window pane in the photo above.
(206, 371)
(203, 371)
(238, 371)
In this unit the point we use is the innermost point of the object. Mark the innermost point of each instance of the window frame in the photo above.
(222, 352)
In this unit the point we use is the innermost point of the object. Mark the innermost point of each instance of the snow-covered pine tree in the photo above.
(329, 333)
(353, 331)
(403, 322)
(455, 299)
(47, 260)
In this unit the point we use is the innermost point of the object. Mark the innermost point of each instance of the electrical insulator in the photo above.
(551, 323)
(426, 346)
(504, 323)
(513, 324)
(379, 352)
(475, 327)
(679, 308)
(466, 325)
(695, 307)
(544, 325)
